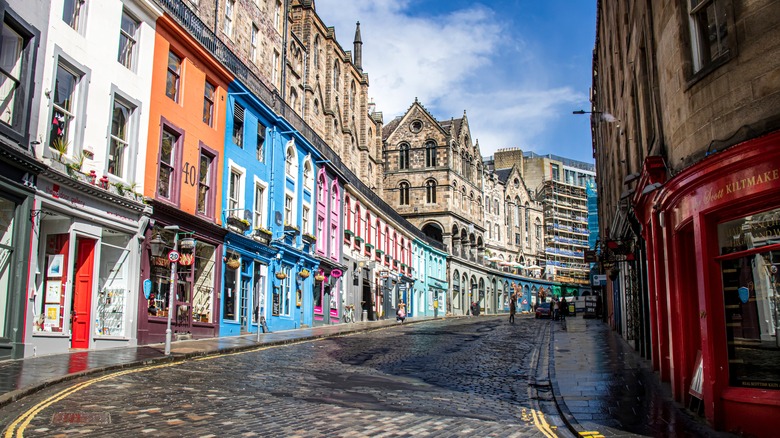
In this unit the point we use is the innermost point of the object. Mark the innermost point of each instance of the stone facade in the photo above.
(441, 170)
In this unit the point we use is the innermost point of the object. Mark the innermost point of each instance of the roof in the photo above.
(390, 127)
(503, 174)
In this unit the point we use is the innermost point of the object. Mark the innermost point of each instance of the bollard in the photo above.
(364, 316)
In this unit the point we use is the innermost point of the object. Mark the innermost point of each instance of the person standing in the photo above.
(401, 313)
(512, 309)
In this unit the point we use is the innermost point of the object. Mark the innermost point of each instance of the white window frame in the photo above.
(130, 50)
(234, 205)
(289, 210)
(80, 10)
(230, 10)
(253, 43)
(260, 217)
(275, 66)
(73, 115)
(128, 142)
(306, 213)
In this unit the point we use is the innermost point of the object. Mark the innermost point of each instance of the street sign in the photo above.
(173, 256)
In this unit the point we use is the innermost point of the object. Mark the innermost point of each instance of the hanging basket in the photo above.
(304, 274)
(281, 275)
(319, 277)
(233, 263)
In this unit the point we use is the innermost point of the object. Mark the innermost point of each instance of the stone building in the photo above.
(686, 136)
(433, 177)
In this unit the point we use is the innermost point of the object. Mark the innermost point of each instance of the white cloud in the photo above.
(469, 59)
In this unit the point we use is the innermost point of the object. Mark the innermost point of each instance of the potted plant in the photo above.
(319, 277)
(61, 146)
(304, 273)
(233, 263)
(262, 231)
(281, 275)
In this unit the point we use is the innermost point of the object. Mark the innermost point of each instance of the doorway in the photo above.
(81, 300)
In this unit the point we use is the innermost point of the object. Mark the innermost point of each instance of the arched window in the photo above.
(336, 74)
(403, 193)
(316, 107)
(356, 227)
(308, 174)
(293, 98)
(487, 203)
(334, 195)
(430, 191)
(495, 206)
(316, 52)
(291, 164)
(463, 198)
(403, 156)
(352, 94)
(456, 196)
(347, 212)
(517, 212)
(321, 188)
(430, 154)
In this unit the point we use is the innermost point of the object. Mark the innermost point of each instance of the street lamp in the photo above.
(605, 116)
(172, 291)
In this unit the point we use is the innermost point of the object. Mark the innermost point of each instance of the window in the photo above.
(174, 74)
(72, 13)
(556, 172)
(260, 142)
(321, 190)
(430, 154)
(305, 222)
(430, 192)
(127, 39)
(169, 149)
(253, 44)
(63, 109)
(709, 32)
(316, 107)
(352, 95)
(119, 142)
(403, 193)
(206, 180)
(498, 232)
(208, 104)
(403, 157)
(293, 99)
(234, 193)
(316, 52)
(291, 165)
(278, 16)
(231, 292)
(13, 66)
(275, 67)
(334, 232)
(320, 234)
(336, 74)
(308, 175)
(259, 206)
(288, 210)
(238, 125)
(229, 8)
(286, 291)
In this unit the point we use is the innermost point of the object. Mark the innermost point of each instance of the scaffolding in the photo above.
(566, 231)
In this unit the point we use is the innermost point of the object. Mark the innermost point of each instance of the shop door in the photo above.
(82, 293)
(246, 286)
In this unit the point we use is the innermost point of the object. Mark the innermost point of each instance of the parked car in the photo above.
(543, 310)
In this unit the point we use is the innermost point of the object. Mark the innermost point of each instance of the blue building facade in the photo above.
(269, 191)
(429, 296)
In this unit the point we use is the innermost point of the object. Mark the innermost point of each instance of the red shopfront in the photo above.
(713, 239)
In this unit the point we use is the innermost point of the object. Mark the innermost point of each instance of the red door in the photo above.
(82, 293)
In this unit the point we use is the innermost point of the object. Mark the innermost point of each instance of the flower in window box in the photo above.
(240, 223)
(262, 231)
(309, 237)
(291, 227)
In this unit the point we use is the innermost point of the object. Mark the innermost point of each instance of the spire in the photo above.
(358, 51)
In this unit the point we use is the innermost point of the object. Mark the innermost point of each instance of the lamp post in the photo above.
(172, 292)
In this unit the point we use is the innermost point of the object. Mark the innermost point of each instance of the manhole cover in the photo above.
(63, 418)
(562, 350)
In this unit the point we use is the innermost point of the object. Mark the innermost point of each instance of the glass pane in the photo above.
(205, 166)
(113, 285)
(116, 158)
(230, 292)
(64, 89)
(166, 148)
(164, 188)
(203, 193)
(119, 121)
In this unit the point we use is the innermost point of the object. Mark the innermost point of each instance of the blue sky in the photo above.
(518, 67)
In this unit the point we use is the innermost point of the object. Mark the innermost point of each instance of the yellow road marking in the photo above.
(592, 434)
(542, 424)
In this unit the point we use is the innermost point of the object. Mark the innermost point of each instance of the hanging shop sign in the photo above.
(336, 273)
(187, 259)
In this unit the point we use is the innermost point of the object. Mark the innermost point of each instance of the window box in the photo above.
(262, 235)
(290, 227)
(238, 223)
(309, 238)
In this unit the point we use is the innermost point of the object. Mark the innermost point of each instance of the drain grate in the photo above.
(65, 418)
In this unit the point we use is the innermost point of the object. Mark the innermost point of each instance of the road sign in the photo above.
(173, 256)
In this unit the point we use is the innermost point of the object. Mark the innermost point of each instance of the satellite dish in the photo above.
(278, 218)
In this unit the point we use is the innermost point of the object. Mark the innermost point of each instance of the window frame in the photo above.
(254, 33)
(430, 191)
(177, 74)
(79, 97)
(210, 101)
(239, 123)
(702, 62)
(260, 141)
(235, 203)
(229, 18)
(18, 129)
(211, 201)
(289, 208)
(403, 193)
(133, 120)
(430, 154)
(176, 158)
(403, 156)
(262, 221)
(132, 54)
(79, 12)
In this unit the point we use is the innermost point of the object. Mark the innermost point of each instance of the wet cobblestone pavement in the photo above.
(447, 377)
(466, 377)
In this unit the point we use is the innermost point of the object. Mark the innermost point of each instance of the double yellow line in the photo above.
(542, 424)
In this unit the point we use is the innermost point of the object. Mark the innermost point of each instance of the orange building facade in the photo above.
(183, 176)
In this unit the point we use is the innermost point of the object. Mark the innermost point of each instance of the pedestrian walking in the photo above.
(561, 308)
(512, 309)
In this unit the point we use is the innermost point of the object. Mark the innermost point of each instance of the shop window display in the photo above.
(113, 284)
(750, 261)
(194, 284)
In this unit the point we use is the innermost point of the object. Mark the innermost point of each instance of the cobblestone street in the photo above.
(464, 377)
